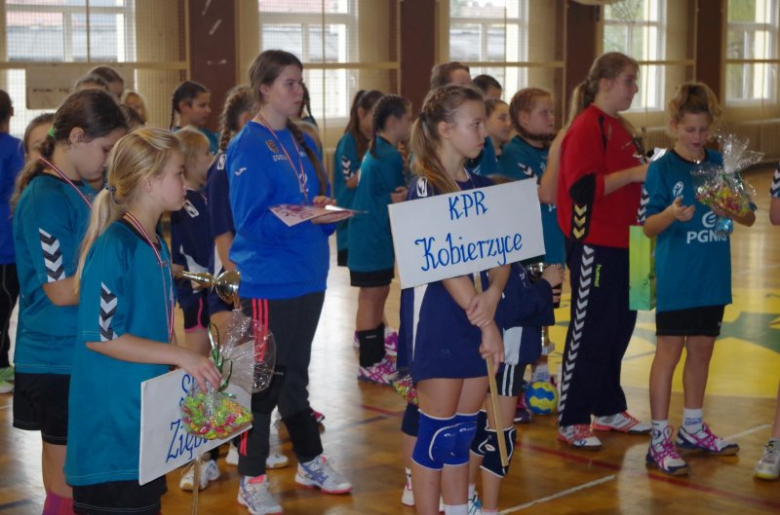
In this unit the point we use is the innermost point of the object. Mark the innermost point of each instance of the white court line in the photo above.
(563, 493)
(748, 432)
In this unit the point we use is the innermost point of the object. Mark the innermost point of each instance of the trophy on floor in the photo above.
(225, 284)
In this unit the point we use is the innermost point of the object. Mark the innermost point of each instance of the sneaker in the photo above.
(318, 417)
(318, 473)
(381, 373)
(232, 455)
(391, 342)
(579, 436)
(6, 387)
(664, 457)
(7, 374)
(208, 472)
(253, 493)
(621, 422)
(522, 413)
(407, 498)
(475, 505)
(276, 460)
(704, 440)
(768, 467)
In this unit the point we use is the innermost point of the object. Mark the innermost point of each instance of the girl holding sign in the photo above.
(125, 331)
(694, 279)
(51, 206)
(371, 258)
(598, 196)
(283, 270)
(454, 328)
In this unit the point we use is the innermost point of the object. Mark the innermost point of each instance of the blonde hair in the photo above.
(192, 143)
(606, 66)
(139, 156)
(440, 105)
(142, 113)
(693, 98)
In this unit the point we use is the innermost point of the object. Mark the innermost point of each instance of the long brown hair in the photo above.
(387, 106)
(365, 100)
(239, 100)
(265, 69)
(440, 105)
(95, 111)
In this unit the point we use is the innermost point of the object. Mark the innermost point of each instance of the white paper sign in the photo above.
(466, 232)
(165, 444)
(49, 84)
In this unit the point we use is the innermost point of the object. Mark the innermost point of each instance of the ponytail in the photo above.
(30, 170)
(105, 211)
(365, 100)
(315, 161)
(239, 100)
(387, 106)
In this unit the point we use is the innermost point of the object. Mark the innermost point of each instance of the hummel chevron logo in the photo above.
(52, 256)
(527, 171)
(775, 182)
(108, 303)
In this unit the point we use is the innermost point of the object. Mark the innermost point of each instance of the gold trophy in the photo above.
(225, 285)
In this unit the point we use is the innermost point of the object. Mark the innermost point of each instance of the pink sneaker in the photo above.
(391, 342)
(664, 457)
(704, 440)
(380, 373)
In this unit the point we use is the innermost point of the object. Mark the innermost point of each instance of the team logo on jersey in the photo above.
(271, 144)
(709, 220)
(190, 209)
(221, 162)
(422, 187)
(677, 189)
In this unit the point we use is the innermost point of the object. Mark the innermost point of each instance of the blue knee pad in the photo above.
(492, 461)
(465, 430)
(436, 440)
(481, 434)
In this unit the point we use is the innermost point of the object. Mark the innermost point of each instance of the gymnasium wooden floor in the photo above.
(362, 437)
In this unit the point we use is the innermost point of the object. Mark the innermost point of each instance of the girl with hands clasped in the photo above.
(447, 350)
(125, 325)
(693, 272)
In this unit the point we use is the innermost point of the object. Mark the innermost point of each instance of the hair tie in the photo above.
(51, 131)
(112, 191)
(423, 117)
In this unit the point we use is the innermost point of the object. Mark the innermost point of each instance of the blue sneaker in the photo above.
(318, 473)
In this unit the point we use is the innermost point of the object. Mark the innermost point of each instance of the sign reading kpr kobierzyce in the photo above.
(465, 232)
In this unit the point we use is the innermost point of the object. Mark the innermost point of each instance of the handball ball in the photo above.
(541, 397)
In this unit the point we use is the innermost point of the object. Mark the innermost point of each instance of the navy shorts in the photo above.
(704, 321)
(196, 314)
(375, 279)
(41, 404)
(341, 257)
(119, 498)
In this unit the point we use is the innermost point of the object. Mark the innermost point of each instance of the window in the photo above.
(638, 29)
(343, 48)
(751, 54)
(60, 40)
(495, 37)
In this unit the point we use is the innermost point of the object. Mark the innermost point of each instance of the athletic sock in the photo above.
(459, 509)
(472, 490)
(693, 420)
(372, 346)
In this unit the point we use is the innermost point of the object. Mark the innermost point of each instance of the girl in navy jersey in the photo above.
(125, 326)
(283, 270)
(499, 128)
(454, 329)
(371, 257)
(346, 162)
(51, 206)
(693, 276)
(598, 197)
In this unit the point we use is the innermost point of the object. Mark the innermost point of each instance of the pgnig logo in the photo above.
(709, 220)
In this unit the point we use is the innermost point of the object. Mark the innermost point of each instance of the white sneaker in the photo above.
(407, 498)
(232, 456)
(253, 493)
(768, 467)
(208, 472)
(318, 473)
(622, 422)
(579, 436)
(276, 460)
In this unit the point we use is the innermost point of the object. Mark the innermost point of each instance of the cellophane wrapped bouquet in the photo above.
(246, 360)
(722, 187)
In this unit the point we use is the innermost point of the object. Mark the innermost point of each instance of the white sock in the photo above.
(460, 509)
(693, 420)
(472, 490)
(657, 434)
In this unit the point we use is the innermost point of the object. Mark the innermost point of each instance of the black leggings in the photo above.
(293, 323)
(9, 292)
